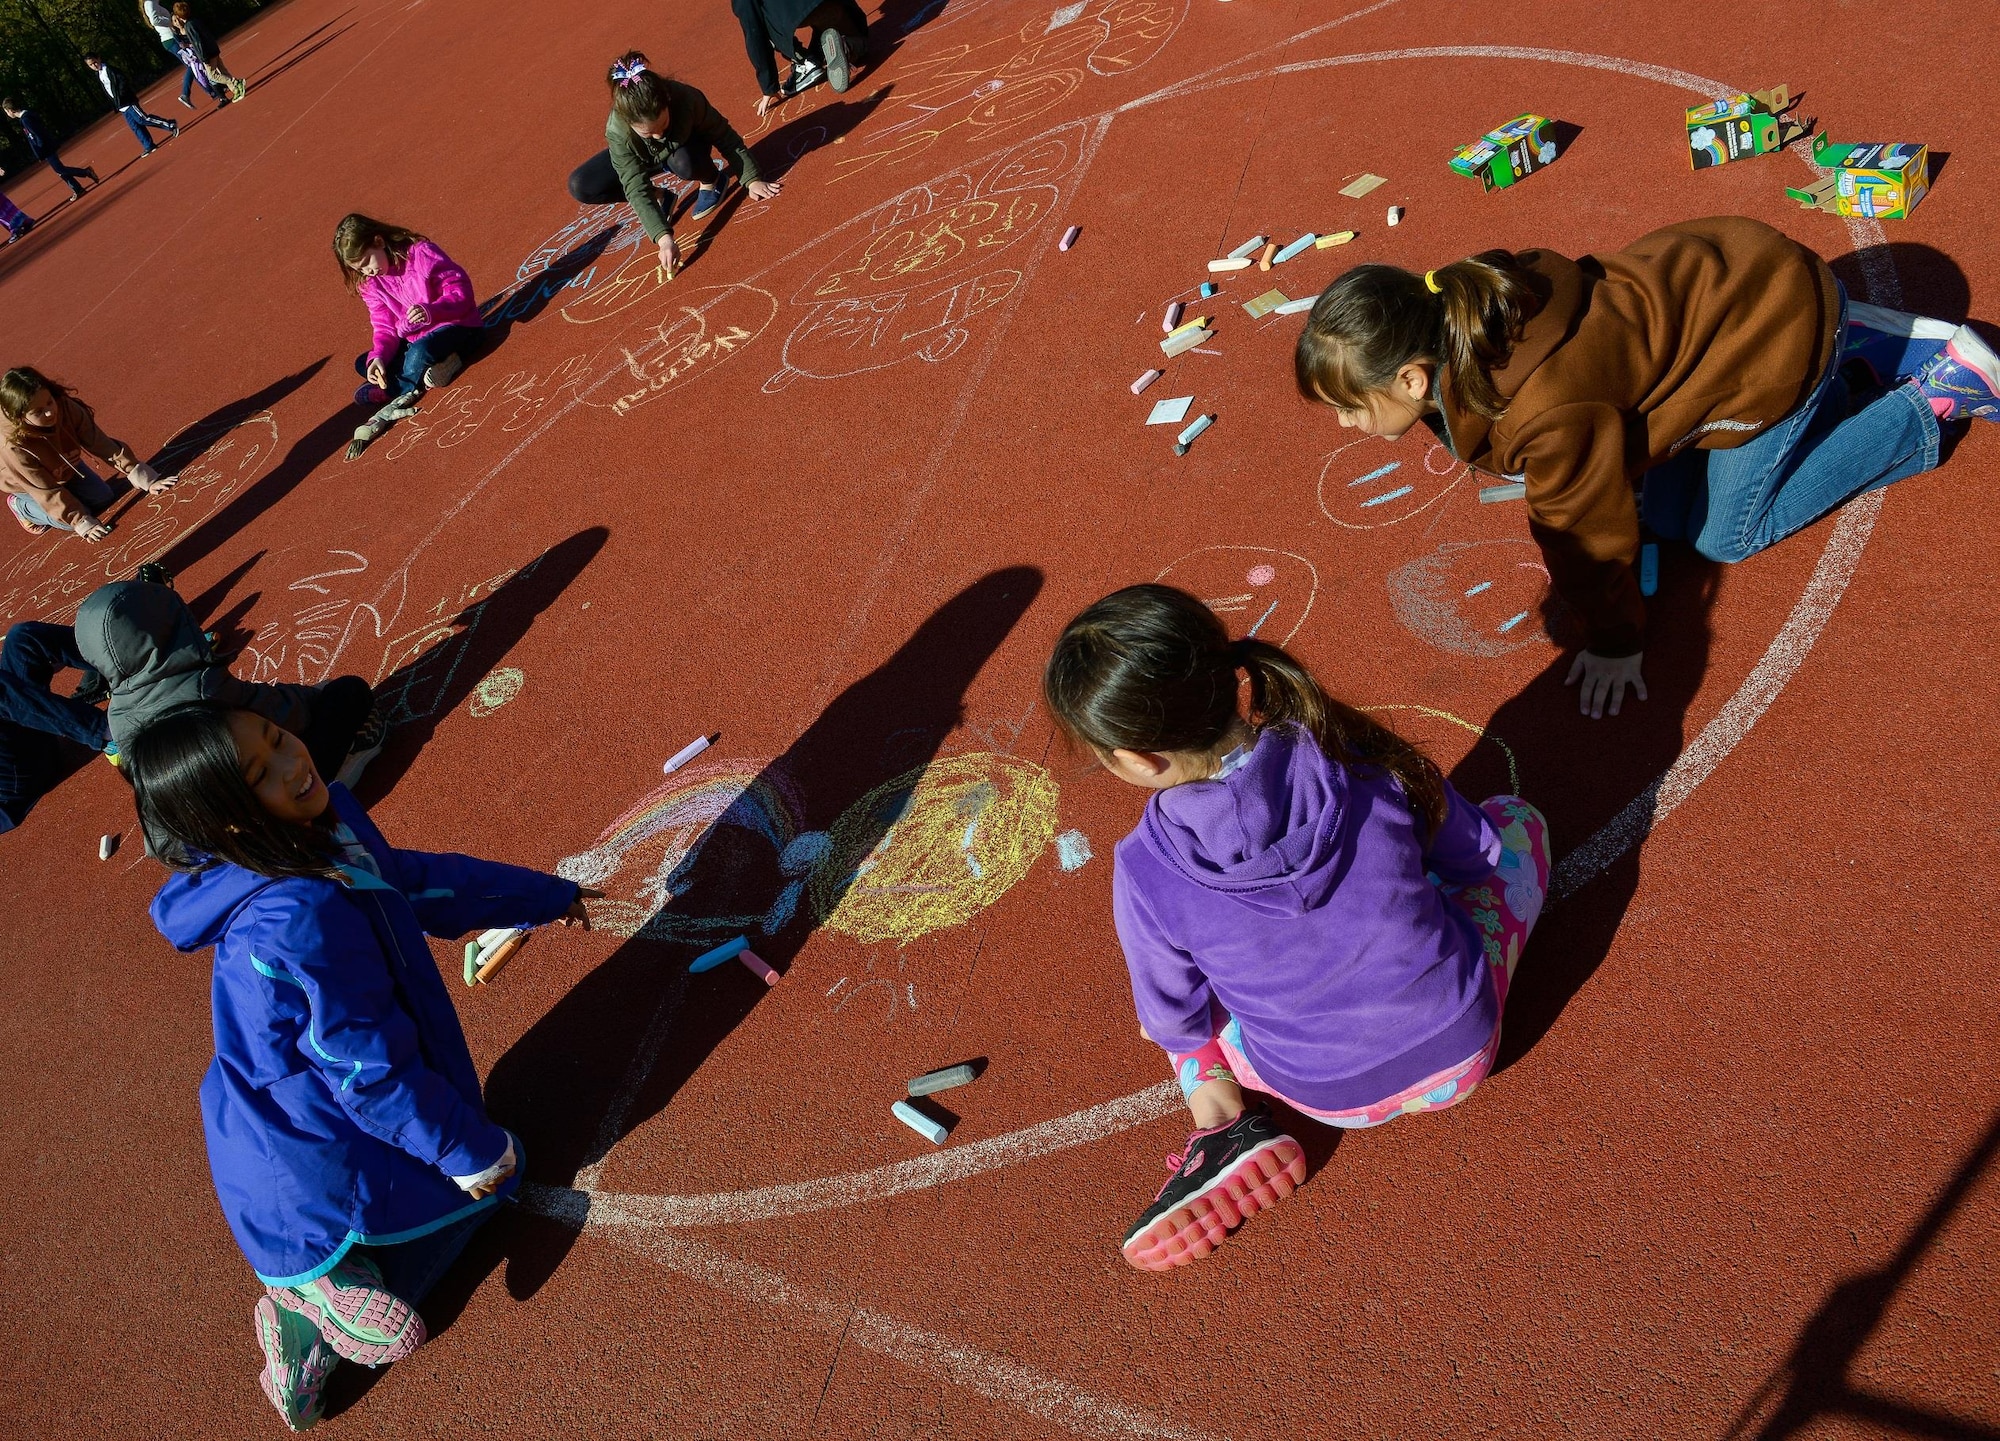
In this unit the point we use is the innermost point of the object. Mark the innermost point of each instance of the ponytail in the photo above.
(1150, 668)
(1375, 319)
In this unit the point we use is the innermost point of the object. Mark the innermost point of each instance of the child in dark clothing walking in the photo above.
(42, 145)
(120, 90)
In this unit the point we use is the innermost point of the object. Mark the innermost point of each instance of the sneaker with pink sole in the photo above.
(358, 1317)
(1222, 1178)
(1965, 378)
(296, 1363)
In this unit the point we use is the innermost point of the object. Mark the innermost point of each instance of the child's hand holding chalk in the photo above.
(670, 256)
(577, 914)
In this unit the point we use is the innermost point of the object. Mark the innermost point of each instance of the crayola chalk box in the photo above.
(1741, 126)
(1500, 157)
(1870, 181)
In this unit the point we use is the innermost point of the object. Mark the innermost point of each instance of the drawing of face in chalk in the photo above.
(1257, 591)
(1479, 598)
(1370, 483)
(926, 271)
(713, 853)
(934, 847)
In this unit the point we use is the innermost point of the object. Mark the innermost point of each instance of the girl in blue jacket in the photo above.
(349, 1145)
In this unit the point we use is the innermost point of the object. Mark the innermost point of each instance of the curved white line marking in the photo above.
(1786, 653)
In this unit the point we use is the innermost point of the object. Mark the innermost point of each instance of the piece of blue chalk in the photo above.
(1294, 248)
(1186, 437)
(1511, 490)
(727, 951)
(1249, 247)
(1649, 568)
(917, 1121)
(1208, 288)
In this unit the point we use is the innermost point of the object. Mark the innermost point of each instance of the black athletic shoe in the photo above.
(835, 50)
(1222, 1177)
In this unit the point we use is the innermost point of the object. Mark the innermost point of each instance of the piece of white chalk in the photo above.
(1294, 248)
(1235, 262)
(1293, 307)
(494, 940)
(1507, 490)
(1249, 247)
(1145, 380)
(1069, 237)
(1395, 215)
(727, 951)
(1170, 412)
(495, 936)
(685, 754)
(1185, 341)
(1186, 438)
(917, 1121)
(1172, 318)
(106, 845)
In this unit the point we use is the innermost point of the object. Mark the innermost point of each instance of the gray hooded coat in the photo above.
(149, 648)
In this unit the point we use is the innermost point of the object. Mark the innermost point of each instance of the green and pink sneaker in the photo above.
(296, 1363)
(357, 1316)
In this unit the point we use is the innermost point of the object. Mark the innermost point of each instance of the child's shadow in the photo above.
(615, 1050)
(821, 126)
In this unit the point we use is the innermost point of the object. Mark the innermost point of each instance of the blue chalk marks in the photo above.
(1383, 499)
(1483, 585)
(1072, 850)
(1512, 621)
(1376, 474)
(1262, 618)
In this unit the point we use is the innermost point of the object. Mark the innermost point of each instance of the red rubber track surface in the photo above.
(832, 492)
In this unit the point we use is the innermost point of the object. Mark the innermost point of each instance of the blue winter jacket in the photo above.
(342, 1098)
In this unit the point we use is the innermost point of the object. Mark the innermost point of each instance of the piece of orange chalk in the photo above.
(501, 955)
(1264, 256)
(757, 967)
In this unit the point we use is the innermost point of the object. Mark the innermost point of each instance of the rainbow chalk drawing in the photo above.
(499, 687)
(934, 847)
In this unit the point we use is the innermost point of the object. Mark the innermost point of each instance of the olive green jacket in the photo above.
(691, 121)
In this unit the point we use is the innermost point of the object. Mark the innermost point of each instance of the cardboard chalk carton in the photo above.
(1741, 126)
(1500, 157)
(1869, 181)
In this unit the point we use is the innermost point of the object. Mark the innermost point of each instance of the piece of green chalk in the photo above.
(471, 961)
(944, 1080)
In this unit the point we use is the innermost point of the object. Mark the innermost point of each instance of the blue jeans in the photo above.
(414, 357)
(412, 1269)
(92, 491)
(30, 655)
(1730, 504)
(139, 120)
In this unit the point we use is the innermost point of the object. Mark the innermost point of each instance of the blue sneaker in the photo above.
(1966, 375)
(372, 396)
(1893, 344)
(705, 200)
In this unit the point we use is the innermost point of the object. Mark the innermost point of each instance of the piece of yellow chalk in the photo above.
(1216, 267)
(1200, 322)
(1339, 237)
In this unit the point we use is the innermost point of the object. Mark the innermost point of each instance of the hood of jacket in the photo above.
(1267, 836)
(146, 643)
(193, 911)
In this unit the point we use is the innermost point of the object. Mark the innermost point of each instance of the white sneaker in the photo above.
(443, 373)
(805, 75)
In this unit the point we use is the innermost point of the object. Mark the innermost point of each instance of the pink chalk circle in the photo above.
(1262, 574)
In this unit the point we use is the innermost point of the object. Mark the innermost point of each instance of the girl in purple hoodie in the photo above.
(1307, 908)
(420, 306)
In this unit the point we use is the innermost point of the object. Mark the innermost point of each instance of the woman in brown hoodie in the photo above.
(44, 433)
(1704, 361)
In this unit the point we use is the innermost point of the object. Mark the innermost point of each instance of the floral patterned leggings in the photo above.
(1504, 906)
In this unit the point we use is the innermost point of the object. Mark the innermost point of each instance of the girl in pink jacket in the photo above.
(420, 304)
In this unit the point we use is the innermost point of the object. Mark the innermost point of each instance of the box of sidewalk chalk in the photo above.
(1869, 181)
(1741, 126)
(1500, 157)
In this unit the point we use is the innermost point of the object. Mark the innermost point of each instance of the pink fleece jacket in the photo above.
(427, 277)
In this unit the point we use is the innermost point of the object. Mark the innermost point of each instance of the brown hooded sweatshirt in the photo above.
(1705, 333)
(37, 463)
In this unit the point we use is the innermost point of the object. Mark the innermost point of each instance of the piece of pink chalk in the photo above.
(757, 967)
(1145, 380)
(1171, 318)
(1069, 237)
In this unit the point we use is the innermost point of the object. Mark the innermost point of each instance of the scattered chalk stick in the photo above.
(1511, 490)
(1264, 304)
(1362, 184)
(1208, 288)
(1145, 380)
(489, 939)
(1249, 247)
(1339, 237)
(1172, 318)
(1186, 437)
(1170, 412)
(1069, 237)
(687, 753)
(499, 956)
(107, 846)
(1395, 215)
(917, 1121)
(1293, 307)
(727, 951)
(1264, 257)
(1235, 262)
(1200, 322)
(754, 963)
(471, 962)
(1294, 248)
(1185, 341)
(944, 1080)
(1649, 568)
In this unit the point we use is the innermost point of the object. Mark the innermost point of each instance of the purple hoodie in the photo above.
(1293, 892)
(427, 277)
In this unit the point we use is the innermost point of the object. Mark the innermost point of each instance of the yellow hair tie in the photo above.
(1430, 283)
